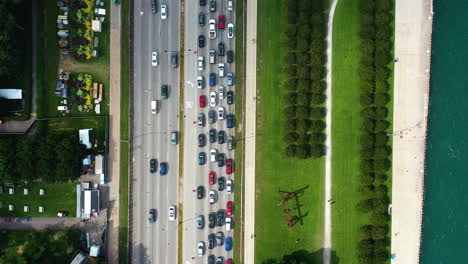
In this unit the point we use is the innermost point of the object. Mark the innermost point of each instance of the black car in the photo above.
(212, 135)
(164, 91)
(201, 140)
(230, 56)
(202, 2)
(153, 166)
(211, 220)
(220, 216)
(211, 259)
(220, 158)
(213, 5)
(201, 19)
(230, 121)
(201, 41)
(221, 183)
(211, 116)
(230, 97)
(152, 216)
(211, 241)
(221, 136)
(174, 59)
(221, 49)
(200, 192)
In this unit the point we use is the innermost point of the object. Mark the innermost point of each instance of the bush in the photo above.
(291, 151)
(290, 99)
(290, 137)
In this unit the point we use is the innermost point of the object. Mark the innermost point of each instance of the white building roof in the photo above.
(84, 137)
(99, 162)
(96, 25)
(11, 93)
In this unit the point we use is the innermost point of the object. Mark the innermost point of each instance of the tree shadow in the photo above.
(304, 257)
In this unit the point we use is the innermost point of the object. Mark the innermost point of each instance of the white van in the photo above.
(174, 138)
(212, 56)
(154, 107)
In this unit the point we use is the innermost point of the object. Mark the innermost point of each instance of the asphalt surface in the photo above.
(194, 174)
(154, 242)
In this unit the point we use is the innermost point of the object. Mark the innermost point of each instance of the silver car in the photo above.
(230, 79)
(200, 222)
(201, 63)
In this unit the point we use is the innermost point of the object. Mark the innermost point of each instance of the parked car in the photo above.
(201, 158)
(212, 29)
(211, 259)
(212, 79)
(228, 223)
(230, 97)
(212, 134)
(153, 166)
(230, 143)
(201, 248)
(201, 19)
(200, 192)
(229, 166)
(200, 82)
(212, 197)
(174, 138)
(221, 70)
(172, 212)
(220, 217)
(221, 49)
(213, 154)
(154, 107)
(221, 92)
(228, 244)
(152, 216)
(230, 208)
(221, 113)
(213, 5)
(202, 101)
(221, 21)
(220, 158)
(154, 9)
(201, 63)
(201, 41)
(219, 238)
(213, 99)
(212, 56)
(202, 2)
(174, 59)
(201, 120)
(219, 260)
(230, 79)
(164, 91)
(221, 136)
(163, 12)
(211, 117)
(211, 220)
(211, 241)
(230, 56)
(230, 5)
(221, 183)
(211, 177)
(229, 186)
(230, 30)
(229, 261)
(201, 140)
(154, 58)
(230, 121)
(200, 222)
(163, 168)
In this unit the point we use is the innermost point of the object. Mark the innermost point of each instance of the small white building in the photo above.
(11, 191)
(41, 209)
(87, 202)
(84, 137)
(26, 191)
(11, 207)
(42, 191)
(15, 94)
(26, 208)
(96, 25)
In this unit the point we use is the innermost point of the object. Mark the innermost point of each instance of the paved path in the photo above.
(328, 173)
(114, 135)
(413, 29)
(43, 223)
(250, 134)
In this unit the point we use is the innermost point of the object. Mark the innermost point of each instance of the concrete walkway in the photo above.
(413, 30)
(250, 134)
(328, 143)
(114, 135)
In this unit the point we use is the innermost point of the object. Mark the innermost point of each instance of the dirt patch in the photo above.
(20, 250)
(57, 235)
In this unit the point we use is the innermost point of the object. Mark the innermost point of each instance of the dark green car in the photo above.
(164, 91)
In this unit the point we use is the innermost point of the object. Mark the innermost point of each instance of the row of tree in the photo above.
(374, 73)
(52, 158)
(304, 85)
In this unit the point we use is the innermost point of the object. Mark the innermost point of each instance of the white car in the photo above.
(221, 70)
(221, 92)
(221, 113)
(230, 31)
(201, 248)
(230, 5)
(213, 155)
(213, 99)
(228, 223)
(172, 213)
(201, 63)
(212, 197)
(154, 107)
(212, 56)
(154, 58)
(163, 12)
(212, 29)
(229, 186)
(200, 82)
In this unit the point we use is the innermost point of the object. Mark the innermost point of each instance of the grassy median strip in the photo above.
(123, 209)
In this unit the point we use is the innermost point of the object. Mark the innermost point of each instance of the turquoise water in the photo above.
(445, 222)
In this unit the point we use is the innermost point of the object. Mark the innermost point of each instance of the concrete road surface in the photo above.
(154, 242)
(197, 175)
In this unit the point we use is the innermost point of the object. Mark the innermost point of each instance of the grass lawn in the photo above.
(273, 170)
(58, 197)
(123, 218)
(346, 122)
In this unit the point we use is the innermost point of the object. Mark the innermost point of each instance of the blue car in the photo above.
(228, 243)
(212, 79)
(163, 168)
(201, 158)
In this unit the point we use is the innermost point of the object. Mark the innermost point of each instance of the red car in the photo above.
(229, 261)
(202, 101)
(229, 166)
(221, 22)
(230, 208)
(211, 177)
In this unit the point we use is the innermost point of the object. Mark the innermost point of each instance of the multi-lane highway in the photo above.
(154, 242)
(194, 174)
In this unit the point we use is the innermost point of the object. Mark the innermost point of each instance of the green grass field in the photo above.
(58, 197)
(346, 122)
(273, 170)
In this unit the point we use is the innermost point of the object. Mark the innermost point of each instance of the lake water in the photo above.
(445, 221)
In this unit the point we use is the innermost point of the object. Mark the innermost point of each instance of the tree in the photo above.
(365, 232)
(317, 46)
(302, 45)
(291, 150)
(303, 86)
(317, 73)
(289, 58)
(381, 113)
(381, 165)
(380, 205)
(302, 112)
(381, 139)
(380, 178)
(8, 41)
(366, 99)
(367, 31)
(317, 113)
(366, 246)
(368, 112)
(290, 84)
(381, 99)
(382, 74)
(368, 125)
(366, 178)
(317, 150)
(317, 138)
(317, 99)
(367, 19)
(381, 126)
(319, 87)
(367, 6)
(383, 5)
(290, 99)
(379, 232)
(366, 166)
(302, 152)
(290, 70)
(366, 73)
(381, 86)
(367, 47)
(382, 58)
(290, 112)
(303, 58)
(303, 72)
(381, 191)
(365, 206)
(366, 152)
(381, 152)
(304, 99)
(25, 158)
(366, 191)
(379, 218)
(290, 124)
(303, 125)
(7, 158)
(290, 137)
(291, 31)
(380, 256)
(305, 32)
(317, 125)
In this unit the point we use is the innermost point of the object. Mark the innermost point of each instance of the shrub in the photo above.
(290, 137)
